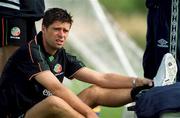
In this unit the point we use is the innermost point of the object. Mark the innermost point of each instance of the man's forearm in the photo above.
(112, 80)
(75, 102)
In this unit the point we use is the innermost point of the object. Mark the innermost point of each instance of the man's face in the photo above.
(55, 35)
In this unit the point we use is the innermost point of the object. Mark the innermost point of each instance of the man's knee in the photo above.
(53, 106)
(90, 95)
(92, 91)
(56, 103)
(59, 106)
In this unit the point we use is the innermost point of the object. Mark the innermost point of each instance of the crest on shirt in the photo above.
(57, 68)
(15, 31)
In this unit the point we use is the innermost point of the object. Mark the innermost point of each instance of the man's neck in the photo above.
(47, 47)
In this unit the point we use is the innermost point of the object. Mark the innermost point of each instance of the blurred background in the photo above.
(130, 16)
(109, 36)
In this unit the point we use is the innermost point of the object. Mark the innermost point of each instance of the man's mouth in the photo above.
(59, 42)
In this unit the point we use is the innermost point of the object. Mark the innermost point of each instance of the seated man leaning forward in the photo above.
(31, 87)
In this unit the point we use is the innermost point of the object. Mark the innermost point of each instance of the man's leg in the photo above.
(52, 107)
(5, 53)
(94, 96)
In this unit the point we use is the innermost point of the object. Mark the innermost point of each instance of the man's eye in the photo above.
(65, 30)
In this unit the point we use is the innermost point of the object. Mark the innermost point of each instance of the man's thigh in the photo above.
(95, 95)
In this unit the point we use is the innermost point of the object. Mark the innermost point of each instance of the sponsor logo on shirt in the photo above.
(162, 43)
(46, 93)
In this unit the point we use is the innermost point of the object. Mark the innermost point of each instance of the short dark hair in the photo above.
(56, 14)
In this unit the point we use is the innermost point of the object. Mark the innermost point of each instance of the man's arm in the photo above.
(50, 82)
(109, 80)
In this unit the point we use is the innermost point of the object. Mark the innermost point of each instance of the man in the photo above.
(17, 22)
(162, 34)
(31, 80)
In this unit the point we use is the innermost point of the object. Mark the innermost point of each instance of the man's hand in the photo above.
(142, 81)
(140, 84)
(91, 115)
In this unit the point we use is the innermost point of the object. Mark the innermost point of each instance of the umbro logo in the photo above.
(162, 43)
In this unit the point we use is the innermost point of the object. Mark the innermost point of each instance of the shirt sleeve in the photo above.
(30, 61)
(72, 65)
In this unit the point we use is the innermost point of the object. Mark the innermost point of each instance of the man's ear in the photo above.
(43, 28)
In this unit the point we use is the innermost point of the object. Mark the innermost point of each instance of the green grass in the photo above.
(127, 7)
(107, 112)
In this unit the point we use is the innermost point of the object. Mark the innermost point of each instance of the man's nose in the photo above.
(61, 33)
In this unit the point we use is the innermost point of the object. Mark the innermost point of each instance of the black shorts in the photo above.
(12, 116)
(7, 110)
(16, 31)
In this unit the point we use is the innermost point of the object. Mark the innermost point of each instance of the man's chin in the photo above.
(59, 47)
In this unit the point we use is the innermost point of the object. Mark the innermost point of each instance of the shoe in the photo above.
(166, 74)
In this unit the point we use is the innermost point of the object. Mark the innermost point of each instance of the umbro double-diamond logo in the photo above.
(162, 43)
